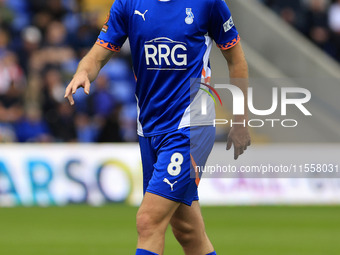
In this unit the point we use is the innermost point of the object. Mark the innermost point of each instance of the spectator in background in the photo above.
(11, 104)
(106, 112)
(41, 42)
(6, 14)
(60, 117)
(11, 111)
(31, 39)
(64, 124)
(7, 133)
(12, 85)
(334, 24)
(32, 128)
(111, 128)
(21, 17)
(289, 10)
(101, 100)
(317, 24)
(314, 18)
(55, 50)
(87, 130)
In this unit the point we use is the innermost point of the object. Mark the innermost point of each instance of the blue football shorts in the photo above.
(168, 162)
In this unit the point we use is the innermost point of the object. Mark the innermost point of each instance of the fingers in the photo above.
(68, 93)
(74, 89)
(74, 85)
(239, 149)
(247, 145)
(240, 141)
(87, 86)
(70, 99)
(237, 152)
(68, 90)
(229, 143)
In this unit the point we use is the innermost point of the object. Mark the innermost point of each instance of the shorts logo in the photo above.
(171, 184)
(190, 18)
(228, 24)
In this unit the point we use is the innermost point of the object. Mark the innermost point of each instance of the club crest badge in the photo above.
(190, 16)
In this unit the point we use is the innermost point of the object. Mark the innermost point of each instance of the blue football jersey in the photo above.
(170, 43)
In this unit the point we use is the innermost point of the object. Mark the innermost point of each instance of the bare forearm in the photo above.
(90, 67)
(93, 62)
(238, 73)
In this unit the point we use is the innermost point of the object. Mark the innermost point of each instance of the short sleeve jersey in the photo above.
(170, 44)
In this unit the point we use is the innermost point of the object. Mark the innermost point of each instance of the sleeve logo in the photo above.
(106, 26)
(228, 24)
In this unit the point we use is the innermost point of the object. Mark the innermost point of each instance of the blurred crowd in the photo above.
(41, 43)
(319, 20)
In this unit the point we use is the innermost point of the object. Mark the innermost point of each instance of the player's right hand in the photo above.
(80, 79)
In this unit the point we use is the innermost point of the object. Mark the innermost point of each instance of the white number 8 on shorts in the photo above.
(174, 168)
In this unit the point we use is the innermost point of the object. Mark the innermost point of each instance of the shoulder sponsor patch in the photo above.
(228, 24)
(106, 26)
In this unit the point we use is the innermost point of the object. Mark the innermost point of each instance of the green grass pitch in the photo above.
(108, 230)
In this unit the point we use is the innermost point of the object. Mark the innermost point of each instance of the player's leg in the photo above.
(169, 185)
(188, 227)
(153, 218)
(155, 212)
(167, 157)
(187, 222)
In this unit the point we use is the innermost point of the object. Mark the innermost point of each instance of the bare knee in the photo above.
(148, 225)
(145, 224)
(185, 233)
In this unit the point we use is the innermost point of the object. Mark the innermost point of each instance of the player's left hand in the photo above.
(240, 138)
